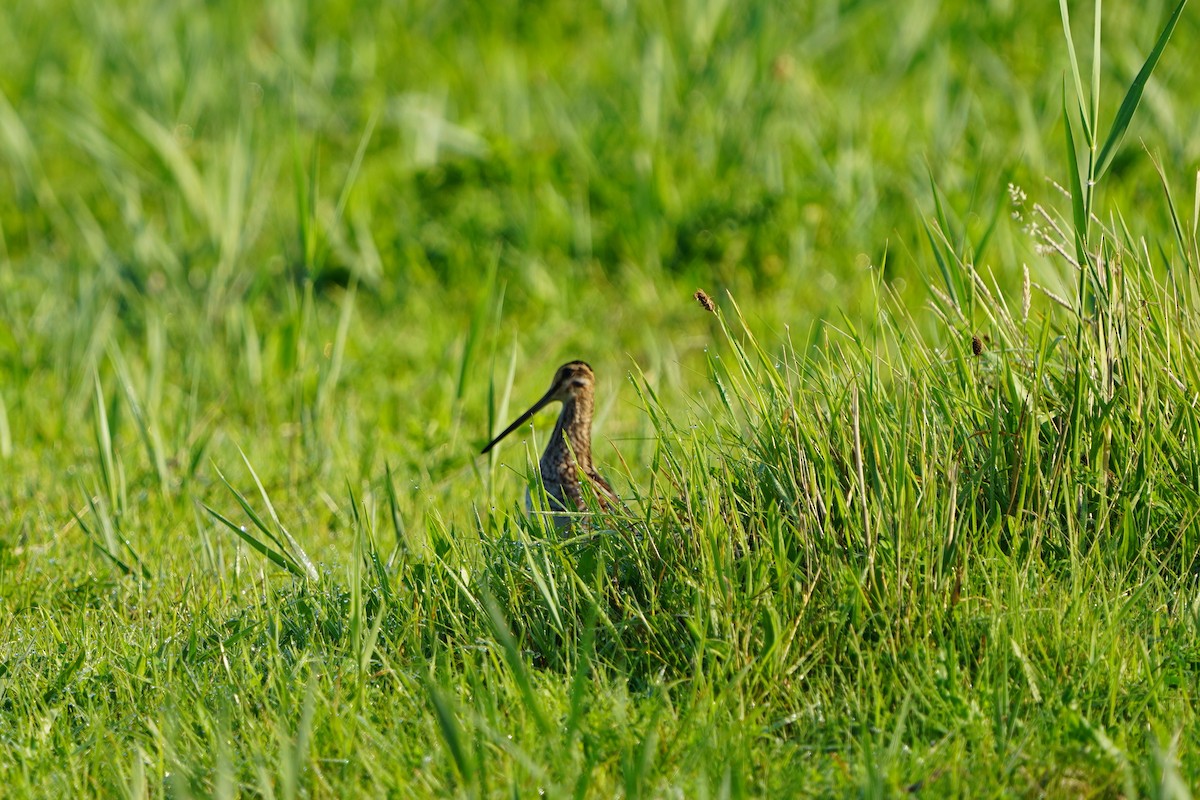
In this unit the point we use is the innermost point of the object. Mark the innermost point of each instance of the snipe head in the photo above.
(573, 381)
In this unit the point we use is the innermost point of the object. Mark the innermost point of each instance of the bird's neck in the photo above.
(574, 429)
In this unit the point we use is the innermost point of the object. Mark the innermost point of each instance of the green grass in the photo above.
(917, 510)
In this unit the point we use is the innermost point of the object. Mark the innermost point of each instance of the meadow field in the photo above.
(913, 508)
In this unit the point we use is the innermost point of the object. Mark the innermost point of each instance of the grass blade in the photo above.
(1078, 213)
(250, 512)
(1079, 93)
(448, 725)
(6, 447)
(1134, 95)
(275, 557)
(296, 551)
(104, 443)
(512, 655)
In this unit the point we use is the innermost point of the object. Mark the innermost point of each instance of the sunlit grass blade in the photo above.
(1196, 221)
(64, 676)
(487, 299)
(397, 519)
(294, 548)
(365, 541)
(451, 732)
(512, 656)
(250, 512)
(104, 548)
(1075, 74)
(1092, 113)
(276, 557)
(980, 248)
(1078, 200)
(312, 240)
(104, 443)
(330, 376)
(293, 745)
(583, 665)
(498, 408)
(6, 446)
(940, 247)
(1169, 200)
(1133, 95)
(147, 431)
(110, 540)
(178, 163)
(640, 759)
(355, 166)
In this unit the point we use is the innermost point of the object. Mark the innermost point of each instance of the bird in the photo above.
(567, 460)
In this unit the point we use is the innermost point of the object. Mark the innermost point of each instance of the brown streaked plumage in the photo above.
(569, 452)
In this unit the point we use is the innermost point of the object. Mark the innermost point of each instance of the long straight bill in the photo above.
(521, 420)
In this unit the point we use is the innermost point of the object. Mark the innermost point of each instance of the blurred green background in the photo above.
(547, 177)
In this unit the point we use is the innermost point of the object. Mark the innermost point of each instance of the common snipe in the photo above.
(568, 454)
